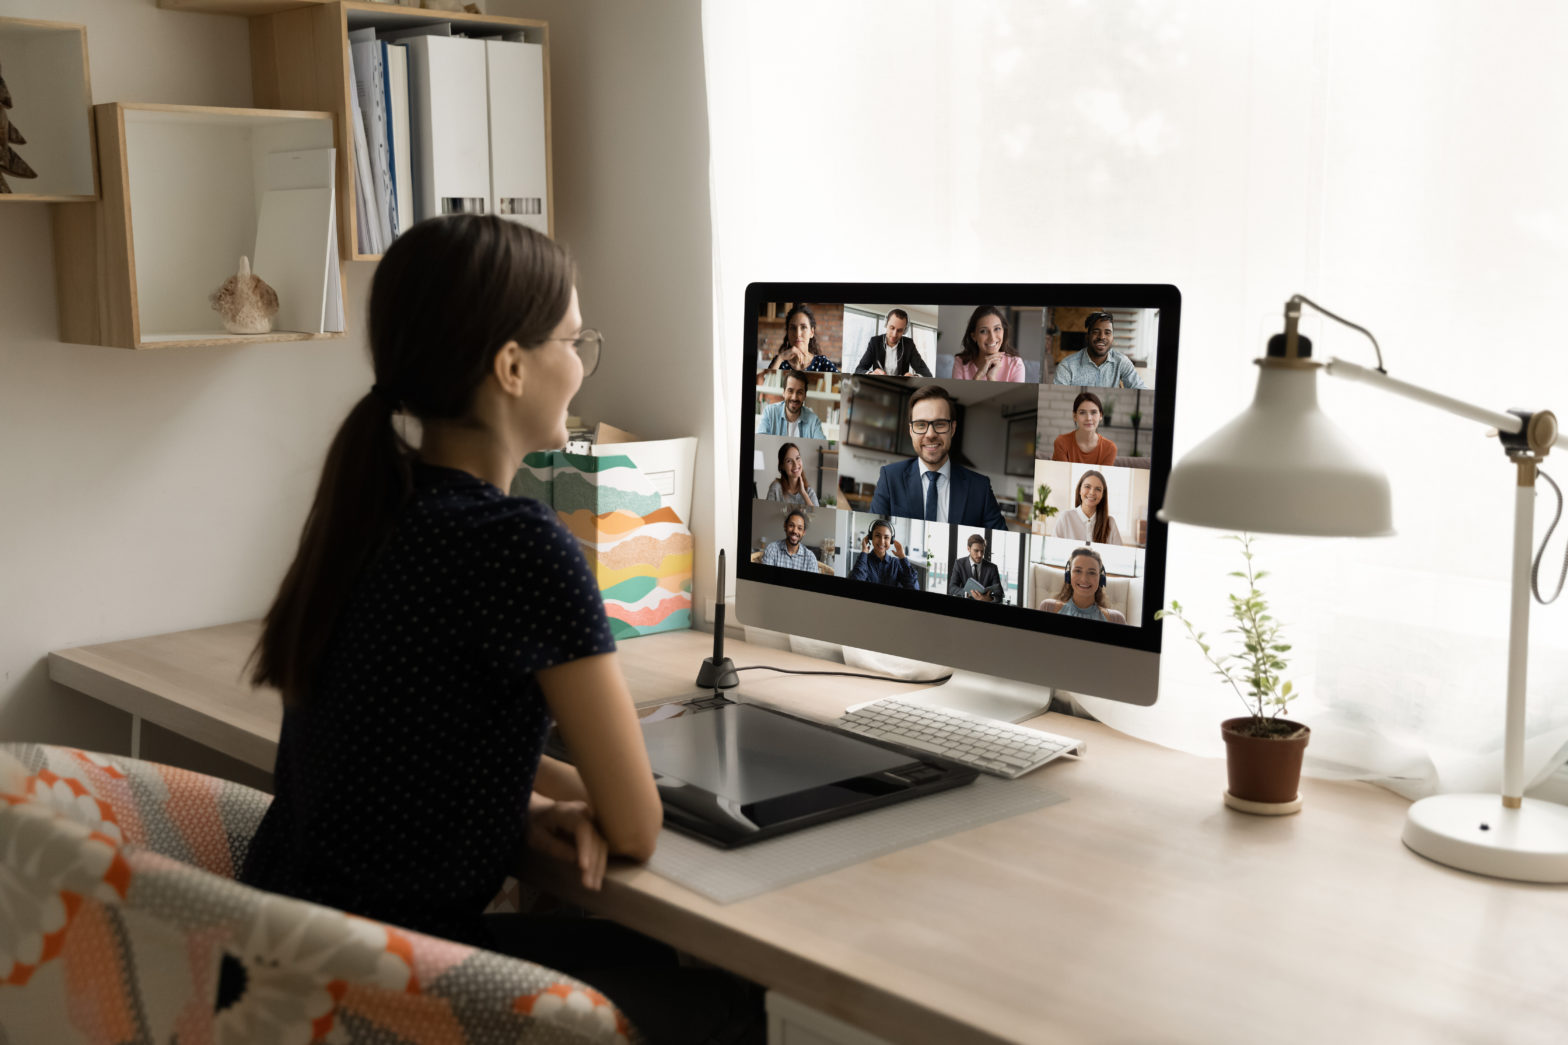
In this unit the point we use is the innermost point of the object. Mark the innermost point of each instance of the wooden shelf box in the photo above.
(300, 60)
(179, 208)
(45, 68)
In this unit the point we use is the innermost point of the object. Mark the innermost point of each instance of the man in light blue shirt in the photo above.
(791, 417)
(789, 552)
(1099, 365)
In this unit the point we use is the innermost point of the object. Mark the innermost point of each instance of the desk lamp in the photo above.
(1282, 467)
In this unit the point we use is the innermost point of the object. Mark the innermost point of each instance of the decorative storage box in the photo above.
(628, 505)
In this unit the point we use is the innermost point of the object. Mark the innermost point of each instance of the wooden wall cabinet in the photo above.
(300, 60)
(179, 206)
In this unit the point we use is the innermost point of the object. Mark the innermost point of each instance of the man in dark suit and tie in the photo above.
(933, 486)
(975, 568)
(892, 353)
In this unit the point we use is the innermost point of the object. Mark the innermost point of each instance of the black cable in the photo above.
(1353, 326)
(847, 674)
(1535, 570)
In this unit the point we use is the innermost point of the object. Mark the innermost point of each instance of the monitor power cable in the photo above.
(849, 675)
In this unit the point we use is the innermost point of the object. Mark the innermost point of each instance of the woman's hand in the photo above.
(566, 831)
(990, 368)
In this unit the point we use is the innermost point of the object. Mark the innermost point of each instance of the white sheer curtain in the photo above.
(1404, 166)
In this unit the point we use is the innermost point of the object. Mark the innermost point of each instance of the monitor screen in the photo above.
(962, 473)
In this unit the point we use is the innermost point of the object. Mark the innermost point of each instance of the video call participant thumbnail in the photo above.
(789, 551)
(1089, 519)
(976, 567)
(1083, 590)
(791, 486)
(891, 352)
(932, 486)
(1098, 365)
(792, 417)
(882, 560)
(798, 351)
(988, 352)
(1084, 444)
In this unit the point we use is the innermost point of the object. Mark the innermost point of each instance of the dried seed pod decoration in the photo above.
(246, 303)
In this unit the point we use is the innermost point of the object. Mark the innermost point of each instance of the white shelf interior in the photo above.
(194, 196)
(46, 70)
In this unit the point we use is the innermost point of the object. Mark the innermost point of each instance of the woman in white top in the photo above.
(791, 486)
(1088, 519)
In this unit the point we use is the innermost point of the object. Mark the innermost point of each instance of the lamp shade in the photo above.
(1280, 467)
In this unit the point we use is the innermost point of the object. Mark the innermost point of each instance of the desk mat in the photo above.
(726, 876)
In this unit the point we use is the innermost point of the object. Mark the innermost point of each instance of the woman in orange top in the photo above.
(1085, 444)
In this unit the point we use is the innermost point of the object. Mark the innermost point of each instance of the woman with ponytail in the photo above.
(431, 627)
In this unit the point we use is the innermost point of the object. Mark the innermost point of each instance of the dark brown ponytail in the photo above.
(447, 295)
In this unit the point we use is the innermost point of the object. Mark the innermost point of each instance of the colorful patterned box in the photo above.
(628, 505)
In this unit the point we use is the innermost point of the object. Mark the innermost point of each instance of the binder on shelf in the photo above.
(368, 231)
(402, 146)
(296, 239)
(448, 116)
(519, 186)
(370, 86)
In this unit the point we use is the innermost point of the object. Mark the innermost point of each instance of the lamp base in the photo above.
(1478, 833)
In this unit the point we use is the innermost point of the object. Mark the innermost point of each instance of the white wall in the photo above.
(630, 133)
(154, 491)
(144, 491)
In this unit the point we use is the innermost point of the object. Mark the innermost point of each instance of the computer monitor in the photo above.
(1055, 443)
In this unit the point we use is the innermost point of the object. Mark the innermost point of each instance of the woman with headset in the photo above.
(1083, 590)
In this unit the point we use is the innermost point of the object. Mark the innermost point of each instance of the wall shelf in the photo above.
(45, 68)
(300, 60)
(179, 206)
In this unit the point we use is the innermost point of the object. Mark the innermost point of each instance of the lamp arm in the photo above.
(1503, 422)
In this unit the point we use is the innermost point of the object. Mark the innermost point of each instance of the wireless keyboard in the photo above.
(991, 746)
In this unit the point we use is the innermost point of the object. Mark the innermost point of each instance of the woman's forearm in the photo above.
(555, 779)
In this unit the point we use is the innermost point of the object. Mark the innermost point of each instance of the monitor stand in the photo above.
(987, 696)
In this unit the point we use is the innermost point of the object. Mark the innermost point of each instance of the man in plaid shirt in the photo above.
(789, 552)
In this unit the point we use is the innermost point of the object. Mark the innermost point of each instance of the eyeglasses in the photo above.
(939, 427)
(587, 344)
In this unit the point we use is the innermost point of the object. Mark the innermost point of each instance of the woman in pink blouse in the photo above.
(988, 350)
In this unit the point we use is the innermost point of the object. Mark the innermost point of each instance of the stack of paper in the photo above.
(297, 242)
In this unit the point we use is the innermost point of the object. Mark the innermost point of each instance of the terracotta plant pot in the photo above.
(1263, 771)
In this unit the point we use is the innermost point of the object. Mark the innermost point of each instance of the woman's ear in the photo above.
(508, 366)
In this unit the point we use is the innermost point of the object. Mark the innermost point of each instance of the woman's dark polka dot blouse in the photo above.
(402, 789)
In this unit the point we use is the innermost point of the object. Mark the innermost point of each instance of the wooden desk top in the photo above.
(1139, 910)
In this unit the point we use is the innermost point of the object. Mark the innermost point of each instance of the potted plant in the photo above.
(1136, 417)
(1042, 510)
(1263, 749)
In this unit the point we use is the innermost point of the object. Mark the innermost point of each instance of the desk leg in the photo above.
(136, 736)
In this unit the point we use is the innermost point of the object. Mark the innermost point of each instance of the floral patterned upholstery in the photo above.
(120, 921)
